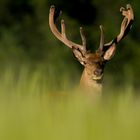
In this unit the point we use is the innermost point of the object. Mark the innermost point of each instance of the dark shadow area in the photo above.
(83, 11)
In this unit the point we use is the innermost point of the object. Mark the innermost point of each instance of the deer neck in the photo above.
(89, 84)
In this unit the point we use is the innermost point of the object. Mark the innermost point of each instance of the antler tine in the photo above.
(125, 25)
(127, 12)
(127, 21)
(101, 39)
(83, 39)
(61, 36)
(51, 23)
(63, 29)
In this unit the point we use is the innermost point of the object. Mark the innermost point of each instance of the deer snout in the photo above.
(98, 72)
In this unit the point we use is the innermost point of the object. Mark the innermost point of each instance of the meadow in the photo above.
(33, 108)
(39, 77)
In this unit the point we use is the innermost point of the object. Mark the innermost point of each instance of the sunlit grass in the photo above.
(31, 108)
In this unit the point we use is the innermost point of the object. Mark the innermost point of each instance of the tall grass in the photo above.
(34, 107)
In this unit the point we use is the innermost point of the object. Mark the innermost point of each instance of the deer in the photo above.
(93, 62)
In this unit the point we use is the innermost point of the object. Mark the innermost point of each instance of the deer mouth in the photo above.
(99, 77)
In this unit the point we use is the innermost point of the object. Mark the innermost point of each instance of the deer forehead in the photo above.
(94, 57)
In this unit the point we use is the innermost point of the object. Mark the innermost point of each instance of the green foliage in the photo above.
(25, 36)
(25, 39)
(39, 75)
(32, 108)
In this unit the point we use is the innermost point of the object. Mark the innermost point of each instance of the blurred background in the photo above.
(25, 38)
(34, 66)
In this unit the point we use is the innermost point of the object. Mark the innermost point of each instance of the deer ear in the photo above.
(110, 52)
(78, 54)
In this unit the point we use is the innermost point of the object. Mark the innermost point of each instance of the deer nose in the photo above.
(98, 72)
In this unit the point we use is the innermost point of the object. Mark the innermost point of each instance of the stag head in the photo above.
(94, 62)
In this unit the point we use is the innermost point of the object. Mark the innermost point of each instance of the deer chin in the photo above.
(95, 77)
